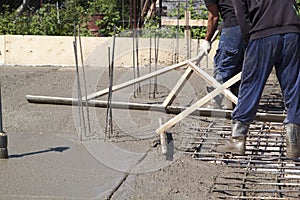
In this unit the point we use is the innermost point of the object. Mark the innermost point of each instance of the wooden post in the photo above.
(187, 33)
(187, 22)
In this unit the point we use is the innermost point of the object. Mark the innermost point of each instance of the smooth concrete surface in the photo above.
(45, 166)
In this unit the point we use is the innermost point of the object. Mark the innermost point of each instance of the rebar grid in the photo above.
(263, 173)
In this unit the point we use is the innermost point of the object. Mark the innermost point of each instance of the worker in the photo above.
(272, 30)
(229, 55)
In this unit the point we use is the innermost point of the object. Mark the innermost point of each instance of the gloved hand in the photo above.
(205, 46)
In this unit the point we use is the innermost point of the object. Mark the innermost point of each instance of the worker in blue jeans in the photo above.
(271, 43)
(229, 55)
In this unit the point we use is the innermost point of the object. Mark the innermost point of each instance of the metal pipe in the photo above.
(3, 136)
(152, 107)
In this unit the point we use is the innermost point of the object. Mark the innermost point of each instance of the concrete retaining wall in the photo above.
(17, 50)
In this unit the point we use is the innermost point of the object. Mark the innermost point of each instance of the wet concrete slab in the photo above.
(42, 165)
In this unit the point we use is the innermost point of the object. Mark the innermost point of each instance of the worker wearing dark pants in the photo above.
(272, 43)
(229, 55)
(228, 60)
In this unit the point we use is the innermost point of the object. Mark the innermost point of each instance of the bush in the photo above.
(49, 20)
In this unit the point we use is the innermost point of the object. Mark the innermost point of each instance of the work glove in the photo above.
(205, 47)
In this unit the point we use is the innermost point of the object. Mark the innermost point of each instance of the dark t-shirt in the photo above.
(263, 18)
(226, 11)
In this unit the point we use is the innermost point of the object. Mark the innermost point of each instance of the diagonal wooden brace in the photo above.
(140, 79)
(198, 104)
(211, 81)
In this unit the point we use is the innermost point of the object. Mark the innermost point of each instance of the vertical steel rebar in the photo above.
(177, 35)
(109, 125)
(79, 96)
(107, 119)
(150, 61)
(84, 82)
(133, 61)
(137, 60)
(156, 47)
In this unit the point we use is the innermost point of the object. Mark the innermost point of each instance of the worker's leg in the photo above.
(258, 64)
(288, 73)
(229, 56)
(259, 61)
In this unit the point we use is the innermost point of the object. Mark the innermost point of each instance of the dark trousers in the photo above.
(229, 56)
(281, 52)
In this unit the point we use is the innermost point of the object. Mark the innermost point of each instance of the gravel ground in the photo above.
(48, 161)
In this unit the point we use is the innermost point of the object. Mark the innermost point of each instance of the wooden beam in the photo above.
(182, 22)
(140, 79)
(211, 81)
(177, 88)
(198, 104)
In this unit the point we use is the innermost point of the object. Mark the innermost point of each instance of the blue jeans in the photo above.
(281, 51)
(229, 56)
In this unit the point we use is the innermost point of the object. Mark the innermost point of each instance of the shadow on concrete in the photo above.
(55, 149)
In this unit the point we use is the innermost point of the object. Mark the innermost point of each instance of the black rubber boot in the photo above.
(235, 90)
(214, 103)
(237, 143)
(227, 104)
(292, 141)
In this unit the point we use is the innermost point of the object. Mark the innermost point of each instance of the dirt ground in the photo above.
(48, 161)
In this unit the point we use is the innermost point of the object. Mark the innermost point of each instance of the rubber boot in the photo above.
(227, 104)
(214, 103)
(235, 90)
(292, 141)
(237, 143)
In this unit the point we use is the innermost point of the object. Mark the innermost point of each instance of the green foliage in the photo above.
(298, 10)
(45, 21)
(49, 20)
(110, 13)
(196, 13)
